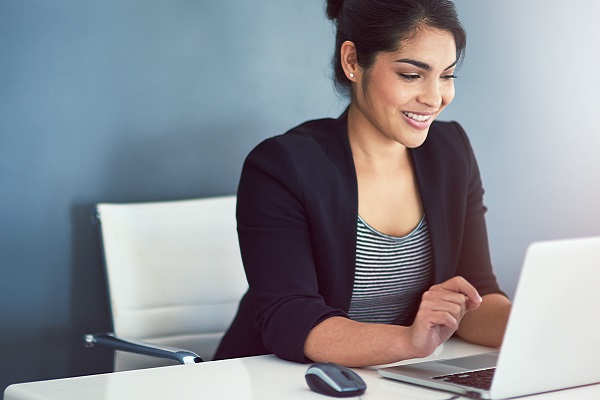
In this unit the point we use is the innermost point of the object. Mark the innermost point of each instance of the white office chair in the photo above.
(175, 278)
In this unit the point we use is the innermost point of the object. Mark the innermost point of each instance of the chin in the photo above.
(416, 140)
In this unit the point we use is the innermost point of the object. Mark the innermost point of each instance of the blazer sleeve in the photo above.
(275, 243)
(474, 263)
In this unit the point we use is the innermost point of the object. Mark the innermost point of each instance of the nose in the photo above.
(431, 95)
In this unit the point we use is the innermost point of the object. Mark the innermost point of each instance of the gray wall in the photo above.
(148, 100)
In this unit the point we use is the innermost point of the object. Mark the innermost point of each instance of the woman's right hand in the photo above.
(440, 312)
(357, 344)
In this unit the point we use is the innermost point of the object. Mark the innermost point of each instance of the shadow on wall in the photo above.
(31, 354)
(90, 309)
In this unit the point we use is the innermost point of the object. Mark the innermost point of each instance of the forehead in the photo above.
(433, 46)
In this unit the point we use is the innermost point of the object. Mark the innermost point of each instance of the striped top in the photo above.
(391, 274)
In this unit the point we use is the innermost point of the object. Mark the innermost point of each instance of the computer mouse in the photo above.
(334, 380)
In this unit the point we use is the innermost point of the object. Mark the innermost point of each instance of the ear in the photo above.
(349, 61)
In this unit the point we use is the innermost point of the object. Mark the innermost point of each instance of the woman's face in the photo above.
(398, 98)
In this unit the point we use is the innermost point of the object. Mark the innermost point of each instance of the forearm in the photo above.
(357, 344)
(487, 324)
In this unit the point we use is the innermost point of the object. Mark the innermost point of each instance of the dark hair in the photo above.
(376, 26)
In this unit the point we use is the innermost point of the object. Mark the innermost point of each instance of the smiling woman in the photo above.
(363, 237)
(400, 95)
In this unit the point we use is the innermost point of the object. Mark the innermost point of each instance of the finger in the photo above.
(460, 285)
(456, 310)
(433, 305)
(439, 294)
(440, 318)
(445, 300)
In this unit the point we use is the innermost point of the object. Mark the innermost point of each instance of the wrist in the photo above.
(409, 346)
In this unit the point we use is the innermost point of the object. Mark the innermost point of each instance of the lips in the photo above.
(418, 117)
(418, 121)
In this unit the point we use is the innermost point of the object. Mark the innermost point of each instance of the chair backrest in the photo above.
(175, 274)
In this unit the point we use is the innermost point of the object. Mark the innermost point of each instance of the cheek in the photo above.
(395, 94)
(387, 89)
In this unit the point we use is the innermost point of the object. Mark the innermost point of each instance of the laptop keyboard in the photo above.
(480, 379)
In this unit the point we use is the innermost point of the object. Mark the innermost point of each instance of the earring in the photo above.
(351, 75)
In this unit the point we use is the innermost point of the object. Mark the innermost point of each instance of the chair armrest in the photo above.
(110, 341)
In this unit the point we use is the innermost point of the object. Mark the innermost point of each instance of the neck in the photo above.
(370, 148)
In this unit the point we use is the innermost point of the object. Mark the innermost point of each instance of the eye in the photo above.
(410, 77)
(449, 77)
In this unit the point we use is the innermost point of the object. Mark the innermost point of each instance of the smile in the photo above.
(417, 117)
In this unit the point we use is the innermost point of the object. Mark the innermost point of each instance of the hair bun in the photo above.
(333, 8)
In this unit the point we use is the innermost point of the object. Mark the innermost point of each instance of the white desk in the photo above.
(263, 377)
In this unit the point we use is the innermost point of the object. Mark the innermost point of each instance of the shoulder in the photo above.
(311, 139)
(310, 158)
(447, 133)
(446, 152)
(448, 141)
(314, 133)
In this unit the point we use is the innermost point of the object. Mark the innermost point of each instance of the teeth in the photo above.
(417, 117)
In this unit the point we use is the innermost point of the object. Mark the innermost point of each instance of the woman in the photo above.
(363, 237)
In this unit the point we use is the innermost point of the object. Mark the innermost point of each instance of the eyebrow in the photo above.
(421, 64)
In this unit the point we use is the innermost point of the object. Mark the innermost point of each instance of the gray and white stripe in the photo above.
(391, 274)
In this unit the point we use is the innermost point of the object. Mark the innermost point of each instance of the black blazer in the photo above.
(297, 211)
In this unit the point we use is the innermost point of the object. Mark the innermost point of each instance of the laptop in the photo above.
(552, 339)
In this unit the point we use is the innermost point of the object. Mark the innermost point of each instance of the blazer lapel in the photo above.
(431, 186)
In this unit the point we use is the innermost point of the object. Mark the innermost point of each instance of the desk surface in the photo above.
(263, 377)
